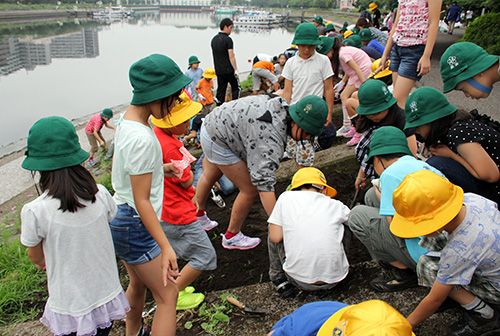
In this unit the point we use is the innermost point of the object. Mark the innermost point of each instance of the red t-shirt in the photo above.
(95, 123)
(178, 207)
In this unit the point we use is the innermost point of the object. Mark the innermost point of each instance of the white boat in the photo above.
(258, 18)
(112, 13)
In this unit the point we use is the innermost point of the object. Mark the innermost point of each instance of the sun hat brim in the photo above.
(483, 62)
(161, 91)
(375, 108)
(430, 117)
(299, 120)
(50, 163)
(388, 149)
(209, 76)
(179, 117)
(307, 41)
(407, 228)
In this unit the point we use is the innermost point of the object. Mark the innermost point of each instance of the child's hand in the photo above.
(170, 270)
(169, 170)
(339, 86)
(201, 96)
(442, 150)
(424, 65)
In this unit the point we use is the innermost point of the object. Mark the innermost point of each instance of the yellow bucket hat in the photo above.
(348, 33)
(382, 73)
(181, 112)
(311, 175)
(424, 203)
(209, 73)
(369, 318)
(372, 6)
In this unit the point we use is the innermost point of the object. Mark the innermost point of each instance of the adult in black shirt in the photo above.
(225, 62)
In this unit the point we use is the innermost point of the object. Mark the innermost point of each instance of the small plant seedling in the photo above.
(214, 317)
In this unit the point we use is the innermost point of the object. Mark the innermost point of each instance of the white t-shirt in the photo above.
(307, 75)
(312, 236)
(137, 152)
(78, 248)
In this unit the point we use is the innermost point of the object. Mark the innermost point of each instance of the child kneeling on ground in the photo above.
(185, 232)
(467, 270)
(306, 234)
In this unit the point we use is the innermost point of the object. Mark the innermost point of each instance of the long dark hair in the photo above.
(335, 58)
(69, 185)
(288, 122)
(440, 127)
(165, 103)
(363, 123)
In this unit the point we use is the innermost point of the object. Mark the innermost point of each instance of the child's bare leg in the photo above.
(136, 294)
(188, 275)
(211, 174)
(402, 88)
(462, 296)
(164, 322)
(351, 105)
(344, 96)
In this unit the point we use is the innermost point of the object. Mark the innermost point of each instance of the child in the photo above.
(308, 73)
(261, 70)
(392, 160)
(67, 234)
(356, 65)
(278, 69)
(466, 271)
(185, 231)
(137, 177)
(194, 132)
(368, 40)
(468, 68)
(329, 318)
(373, 7)
(93, 131)
(410, 44)
(194, 72)
(204, 90)
(306, 234)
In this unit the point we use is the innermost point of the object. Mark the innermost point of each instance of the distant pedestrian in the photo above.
(469, 15)
(453, 16)
(195, 72)
(376, 14)
(318, 22)
(364, 13)
(263, 70)
(225, 62)
(204, 92)
(93, 131)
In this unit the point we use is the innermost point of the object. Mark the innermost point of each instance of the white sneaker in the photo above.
(239, 242)
(343, 130)
(206, 222)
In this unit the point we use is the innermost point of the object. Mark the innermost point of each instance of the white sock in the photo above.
(479, 306)
(347, 121)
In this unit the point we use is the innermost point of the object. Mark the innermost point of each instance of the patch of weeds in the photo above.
(11, 222)
(213, 318)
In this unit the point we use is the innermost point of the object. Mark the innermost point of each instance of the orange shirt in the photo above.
(204, 87)
(264, 65)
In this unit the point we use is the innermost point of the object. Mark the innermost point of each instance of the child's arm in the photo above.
(439, 292)
(37, 257)
(169, 170)
(329, 94)
(424, 64)
(358, 71)
(109, 126)
(474, 158)
(287, 91)
(192, 134)
(275, 233)
(188, 183)
(412, 143)
(96, 134)
(141, 188)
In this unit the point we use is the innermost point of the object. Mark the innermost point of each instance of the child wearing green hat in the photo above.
(306, 236)
(93, 131)
(369, 40)
(66, 231)
(307, 73)
(465, 148)
(466, 269)
(466, 67)
(195, 73)
(137, 177)
(245, 140)
(318, 22)
(392, 160)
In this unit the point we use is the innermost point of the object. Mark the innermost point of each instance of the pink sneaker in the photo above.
(239, 242)
(351, 133)
(355, 139)
(206, 222)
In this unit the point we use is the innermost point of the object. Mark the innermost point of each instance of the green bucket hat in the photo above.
(310, 114)
(362, 8)
(388, 140)
(374, 97)
(318, 19)
(394, 6)
(355, 41)
(52, 145)
(355, 30)
(462, 61)
(306, 33)
(107, 112)
(193, 59)
(155, 77)
(425, 105)
(329, 27)
(327, 45)
(346, 23)
(366, 34)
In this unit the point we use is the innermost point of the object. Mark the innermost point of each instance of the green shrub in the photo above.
(247, 83)
(485, 32)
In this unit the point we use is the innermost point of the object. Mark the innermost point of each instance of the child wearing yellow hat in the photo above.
(326, 318)
(178, 219)
(204, 89)
(467, 269)
(306, 235)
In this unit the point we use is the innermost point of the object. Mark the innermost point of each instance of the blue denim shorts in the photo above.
(404, 60)
(216, 153)
(132, 240)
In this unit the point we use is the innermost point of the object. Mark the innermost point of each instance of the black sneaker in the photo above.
(472, 324)
(284, 288)
(396, 279)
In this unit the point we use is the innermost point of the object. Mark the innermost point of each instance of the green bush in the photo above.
(485, 32)
(247, 83)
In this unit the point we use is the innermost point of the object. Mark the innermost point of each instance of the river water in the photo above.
(85, 68)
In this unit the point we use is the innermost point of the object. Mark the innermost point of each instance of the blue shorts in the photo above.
(404, 60)
(216, 153)
(133, 242)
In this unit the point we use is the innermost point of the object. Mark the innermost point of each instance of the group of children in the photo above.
(417, 221)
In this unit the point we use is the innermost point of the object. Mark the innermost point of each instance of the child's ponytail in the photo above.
(336, 59)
